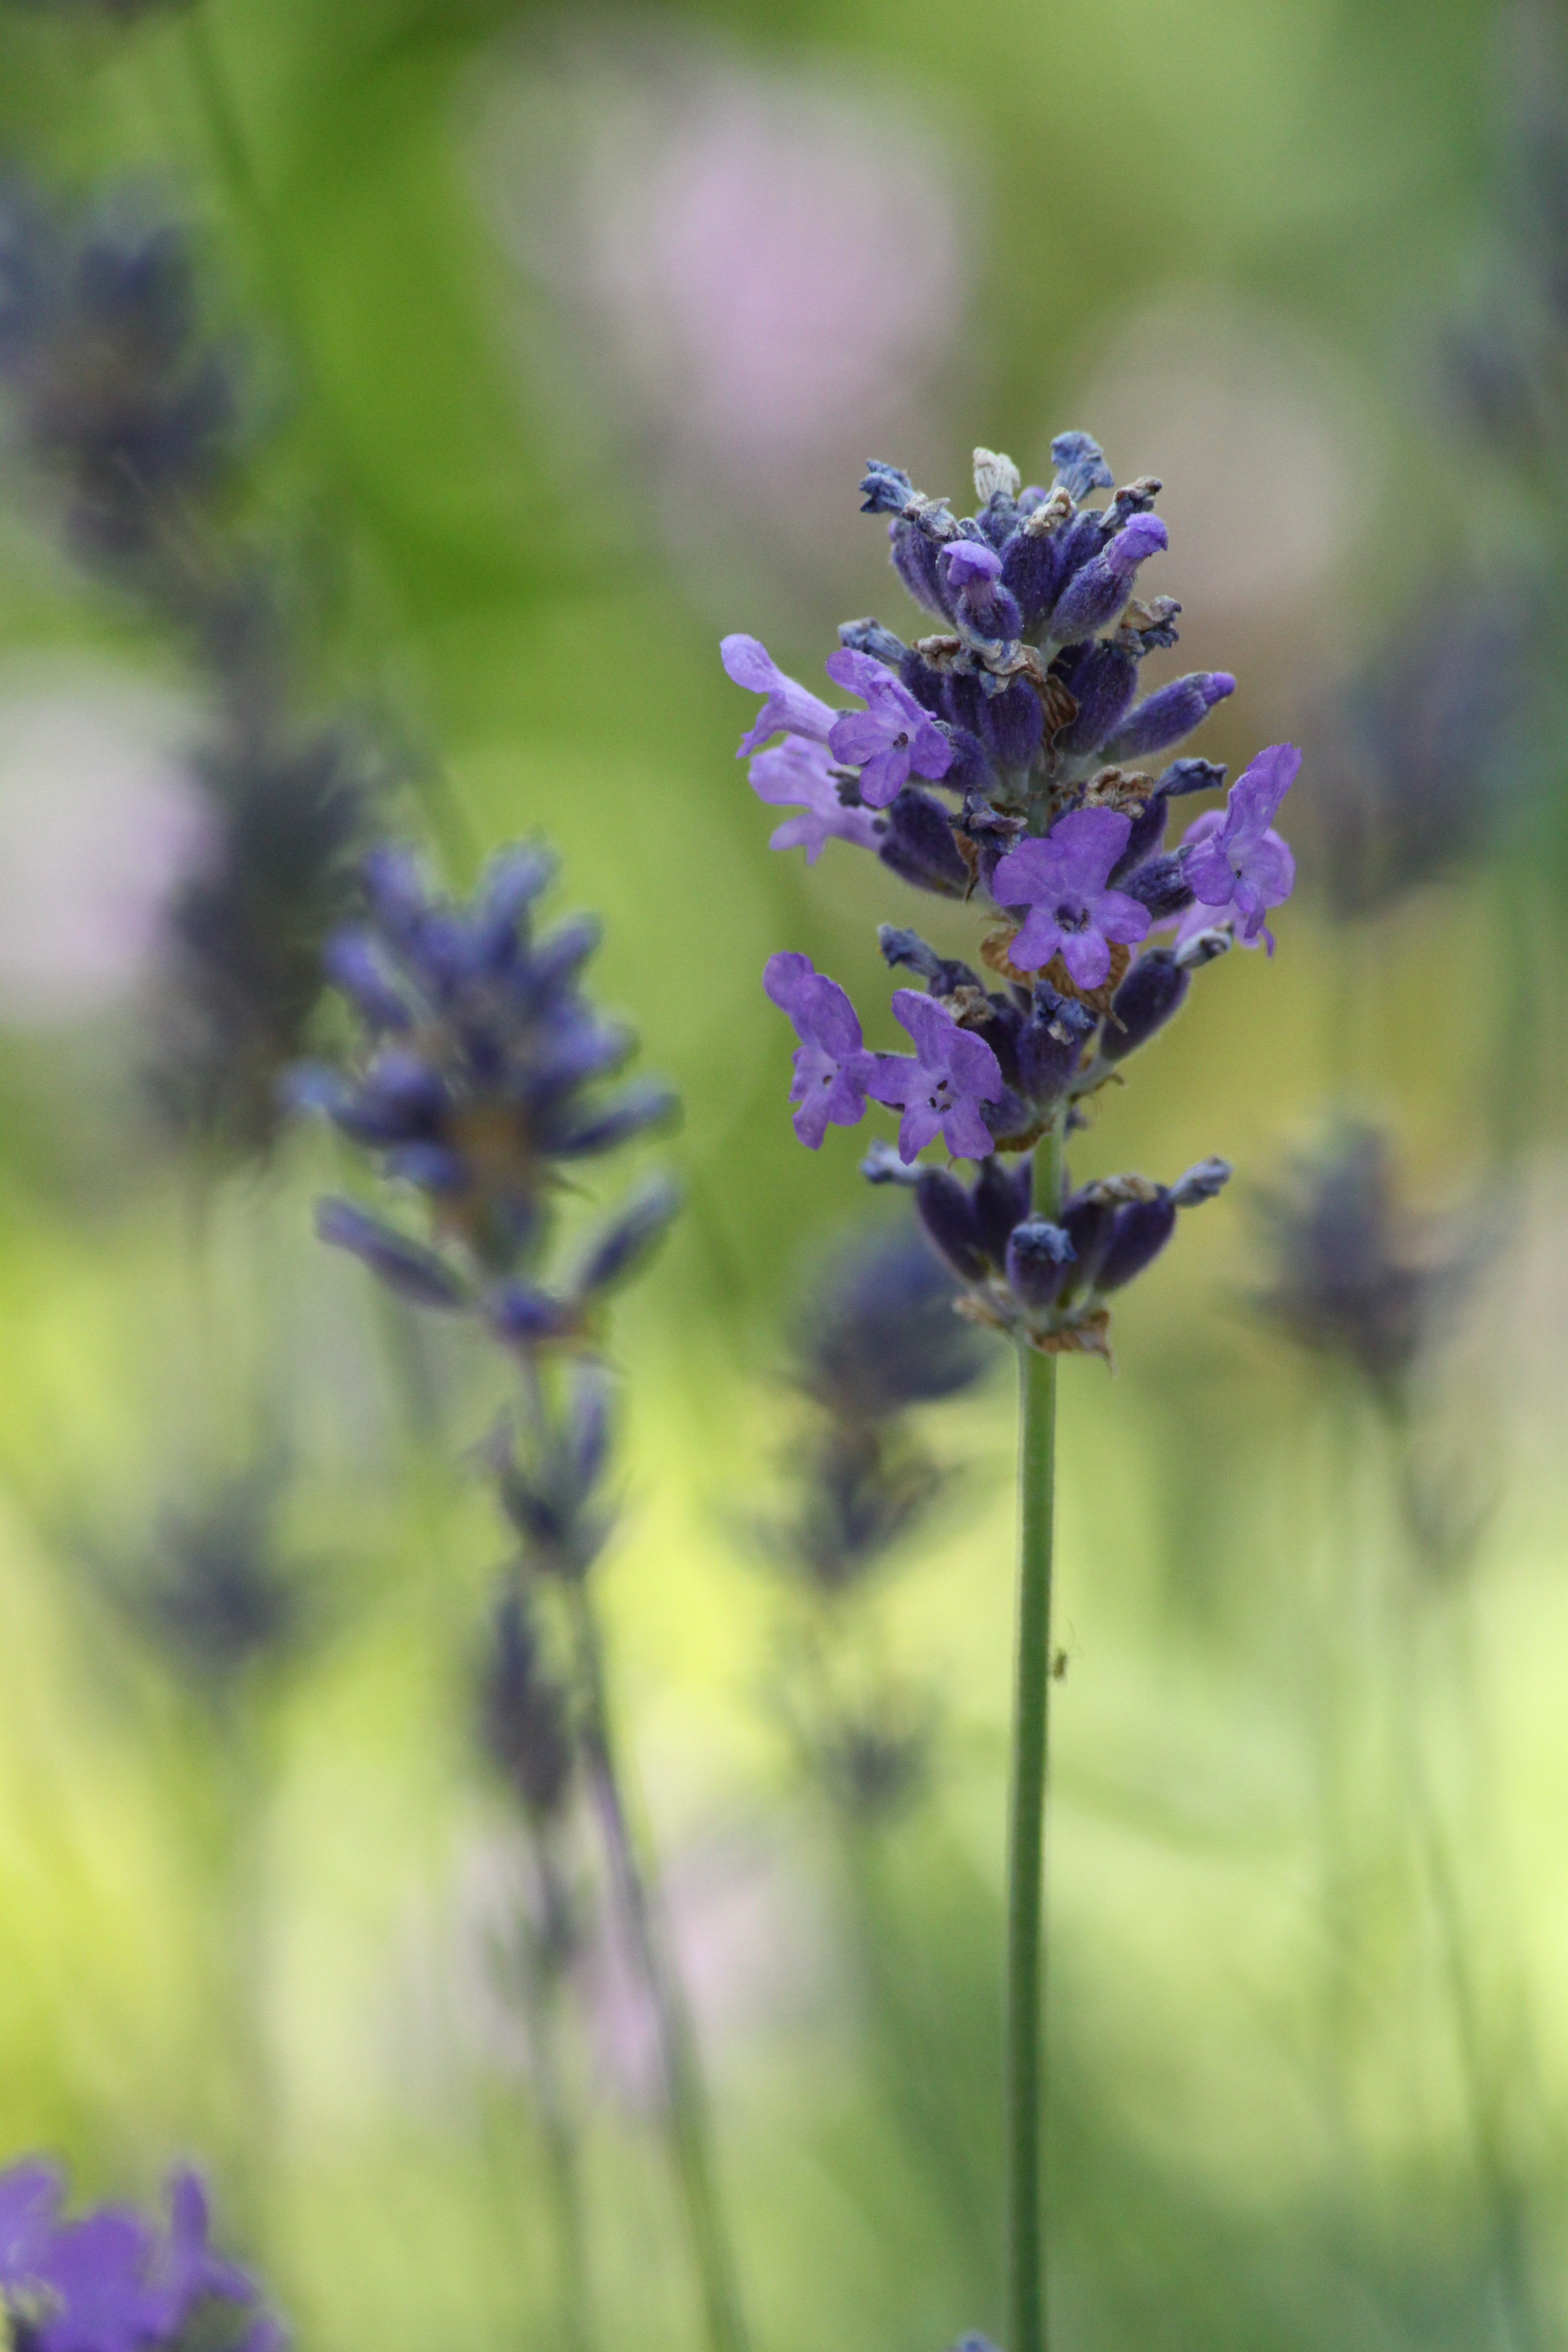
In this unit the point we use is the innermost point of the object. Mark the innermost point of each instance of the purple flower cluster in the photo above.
(995, 763)
(112, 2282)
(484, 1085)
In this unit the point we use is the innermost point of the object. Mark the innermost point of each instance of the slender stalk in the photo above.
(686, 2101)
(1025, 2066)
(542, 1988)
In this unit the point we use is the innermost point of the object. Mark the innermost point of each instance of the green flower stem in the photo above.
(686, 2101)
(1025, 2067)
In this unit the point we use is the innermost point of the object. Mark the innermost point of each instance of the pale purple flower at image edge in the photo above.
(110, 2282)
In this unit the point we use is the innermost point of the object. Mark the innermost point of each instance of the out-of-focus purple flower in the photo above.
(1235, 864)
(786, 704)
(1062, 879)
(892, 738)
(110, 2282)
(29, 2199)
(941, 1088)
(796, 773)
(831, 1067)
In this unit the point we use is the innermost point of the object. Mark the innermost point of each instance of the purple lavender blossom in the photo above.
(892, 738)
(1062, 879)
(786, 705)
(1235, 865)
(110, 2283)
(941, 1088)
(29, 2199)
(796, 773)
(831, 1067)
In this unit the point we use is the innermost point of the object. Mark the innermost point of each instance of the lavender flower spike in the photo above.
(940, 1088)
(1062, 879)
(831, 1067)
(787, 705)
(892, 738)
(1235, 864)
(796, 775)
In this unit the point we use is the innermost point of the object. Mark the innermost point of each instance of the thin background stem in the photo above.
(686, 2101)
(1026, 2064)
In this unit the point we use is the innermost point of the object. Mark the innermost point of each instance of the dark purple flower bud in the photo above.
(624, 1246)
(1096, 593)
(970, 771)
(1039, 1255)
(942, 975)
(524, 1314)
(1010, 726)
(1089, 1223)
(885, 489)
(1001, 1198)
(1146, 839)
(394, 885)
(927, 686)
(1203, 1182)
(918, 845)
(1080, 464)
(560, 956)
(637, 1109)
(1140, 1232)
(1148, 997)
(1161, 884)
(972, 571)
(915, 554)
(512, 881)
(1102, 679)
(1184, 776)
(1050, 1043)
(400, 1100)
(1165, 716)
(869, 637)
(947, 1213)
(525, 1725)
(407, 1266)
(431, 1166)
(1035, 566)
(354, 963)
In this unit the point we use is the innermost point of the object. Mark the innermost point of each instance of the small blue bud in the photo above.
(1039, 1256)
(407, 1266)
(1161, 884)
(624, 1244)
(947, 1213)
(918, 845)
(1140, 1232)
(1080, 464)
(1203, 1182)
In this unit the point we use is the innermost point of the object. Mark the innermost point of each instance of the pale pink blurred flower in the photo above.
(98, 820)
(764, 267)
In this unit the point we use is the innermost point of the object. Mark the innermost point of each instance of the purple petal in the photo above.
(784, 977)
(29, 2200)
(969, 560)
(916, 1128)
(966, 1133)
(1211, 875)
(932, 1028)
(828, 1017)
(893, 1078)
(1086, 845)
(1038, 941)
(859, 735)
(1260, 788)
(794, 773)
(1087, 956)
(1271, 866)
(788, 705)
(930, 754)
(1117, 917)
(973, 1068)
(884, 777)
(858, 672)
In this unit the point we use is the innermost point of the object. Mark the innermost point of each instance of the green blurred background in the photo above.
(571, 330)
